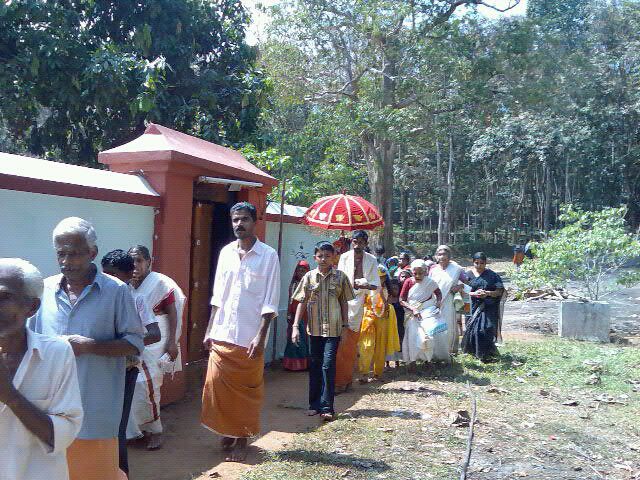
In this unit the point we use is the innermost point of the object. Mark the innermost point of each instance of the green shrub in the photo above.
(592, 248)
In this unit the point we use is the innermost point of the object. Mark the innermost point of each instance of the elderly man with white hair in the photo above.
(97, 315)
(40, 406)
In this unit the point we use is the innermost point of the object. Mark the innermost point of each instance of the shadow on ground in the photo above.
(335, 459)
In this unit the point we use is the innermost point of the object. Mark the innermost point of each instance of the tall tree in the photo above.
(363, 57)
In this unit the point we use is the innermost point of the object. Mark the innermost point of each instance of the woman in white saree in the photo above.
(448, 275)
(425, 333)
(165, 298)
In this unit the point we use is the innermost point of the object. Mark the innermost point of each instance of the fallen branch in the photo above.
(467, 460)
(597, 472)
(538, 297)
(578, 297)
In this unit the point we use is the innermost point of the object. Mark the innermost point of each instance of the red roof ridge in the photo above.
(193, 147)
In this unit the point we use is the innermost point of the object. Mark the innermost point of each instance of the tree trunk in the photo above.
(441, 240)
(380, 172)
(403, 215)
(448, 206)
(379, 156)
(567, 188)
(546, 226)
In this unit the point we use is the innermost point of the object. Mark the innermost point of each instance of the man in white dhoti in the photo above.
(362, 270)
(166, 300)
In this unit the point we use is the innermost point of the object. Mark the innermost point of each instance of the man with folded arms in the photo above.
(97, 315)
(40, 406)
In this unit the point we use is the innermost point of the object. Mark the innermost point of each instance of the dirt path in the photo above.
(199, 456)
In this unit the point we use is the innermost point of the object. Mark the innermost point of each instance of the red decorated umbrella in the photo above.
(343, 212)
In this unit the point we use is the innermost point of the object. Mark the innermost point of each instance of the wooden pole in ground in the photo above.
(275, 323)
(467, 459)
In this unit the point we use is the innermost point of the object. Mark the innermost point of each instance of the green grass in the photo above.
(557, 362)
(517, 421)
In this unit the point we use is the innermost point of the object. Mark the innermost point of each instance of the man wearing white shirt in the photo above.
(245, 300)
(40, 404)
(362, 269)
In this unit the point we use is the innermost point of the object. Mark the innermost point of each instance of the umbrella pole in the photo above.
(275, 324)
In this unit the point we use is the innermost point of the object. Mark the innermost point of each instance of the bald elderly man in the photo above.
(40, 405)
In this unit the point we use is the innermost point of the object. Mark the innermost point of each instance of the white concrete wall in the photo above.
(298, 242)
(27, 220)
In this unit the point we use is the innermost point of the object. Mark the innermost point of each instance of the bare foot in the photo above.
(327, 417)
(227, 443)
(312, 412)
(155, 441)
(238, 452)
(363, 380)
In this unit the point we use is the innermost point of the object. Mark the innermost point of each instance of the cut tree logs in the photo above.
(546, 294)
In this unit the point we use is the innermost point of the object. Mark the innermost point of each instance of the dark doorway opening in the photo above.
(211, 231)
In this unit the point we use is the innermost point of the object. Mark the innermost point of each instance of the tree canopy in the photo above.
(78, 77)
(455, 125)
(461, 124)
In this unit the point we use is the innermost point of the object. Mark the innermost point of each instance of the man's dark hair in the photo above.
(405, 255)
(429, 258)
(480, 256)
(379, 250)
(249, 207)
(142, 250)
(119, 260)
(324, 246)
(360, 234)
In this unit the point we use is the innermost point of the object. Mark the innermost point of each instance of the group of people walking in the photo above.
(79, 351)
(357, 313)
(83, 353)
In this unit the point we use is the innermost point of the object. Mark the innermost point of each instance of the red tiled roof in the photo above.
(201, 153)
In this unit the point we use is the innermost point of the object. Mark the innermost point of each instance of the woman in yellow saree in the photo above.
(378, 332)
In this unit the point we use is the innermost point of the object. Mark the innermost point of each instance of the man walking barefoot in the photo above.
(362, 270)
(245, 300)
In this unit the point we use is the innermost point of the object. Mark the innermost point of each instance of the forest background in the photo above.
(459, 127)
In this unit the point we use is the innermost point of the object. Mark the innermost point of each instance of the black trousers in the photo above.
(129, 387)
(322, 373)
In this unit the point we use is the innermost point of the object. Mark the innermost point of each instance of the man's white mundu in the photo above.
(370, 272)
(155, 288)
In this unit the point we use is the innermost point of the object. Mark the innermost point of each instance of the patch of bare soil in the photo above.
(192, 452)
(541, 316)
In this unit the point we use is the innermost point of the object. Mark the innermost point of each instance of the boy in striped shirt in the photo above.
(324, 293)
